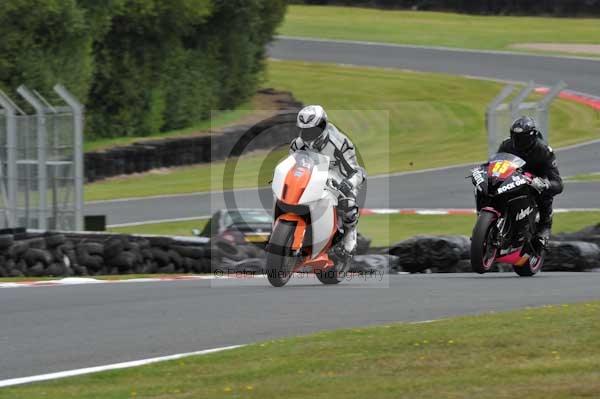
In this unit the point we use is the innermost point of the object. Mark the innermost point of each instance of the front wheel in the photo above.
(483, 252)
(280, 262)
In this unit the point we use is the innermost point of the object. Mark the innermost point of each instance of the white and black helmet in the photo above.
(312, 121)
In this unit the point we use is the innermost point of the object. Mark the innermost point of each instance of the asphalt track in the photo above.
(437, 189)
(49, 329)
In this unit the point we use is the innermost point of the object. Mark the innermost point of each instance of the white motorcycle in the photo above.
(306, 222)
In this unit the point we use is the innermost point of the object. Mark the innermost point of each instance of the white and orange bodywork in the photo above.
(301, 179)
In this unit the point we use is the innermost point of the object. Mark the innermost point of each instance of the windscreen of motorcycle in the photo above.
(503, 165)
(301, 177)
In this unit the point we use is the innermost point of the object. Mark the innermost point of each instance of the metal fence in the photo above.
(41, 162)
(501, 112)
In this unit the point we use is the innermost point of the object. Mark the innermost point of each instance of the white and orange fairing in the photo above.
(301, 179)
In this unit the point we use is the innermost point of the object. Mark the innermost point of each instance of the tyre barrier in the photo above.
(588, 234)
(88, 254)
(179, 151)
(579, 251)
(82, 254)
(574, 256)
(440, 254)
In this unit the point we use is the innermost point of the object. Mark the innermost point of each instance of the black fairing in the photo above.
(479, 178)
(514, 199)
(520, 219)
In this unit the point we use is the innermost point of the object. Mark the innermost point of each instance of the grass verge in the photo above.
(399, 121)
(182, 228)
(590, 177)
(435, 28)
(388, 229)
(548, 352)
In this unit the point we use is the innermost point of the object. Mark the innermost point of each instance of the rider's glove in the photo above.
(346, 188)
(539, 184)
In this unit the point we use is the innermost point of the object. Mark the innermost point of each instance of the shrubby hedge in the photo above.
(517, 7)
(141, 65)
(43, 42)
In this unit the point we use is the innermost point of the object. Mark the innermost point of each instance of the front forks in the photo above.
(501, 237)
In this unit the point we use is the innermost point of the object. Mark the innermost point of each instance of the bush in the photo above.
(167, 65)
(142, 65)
(45, 42)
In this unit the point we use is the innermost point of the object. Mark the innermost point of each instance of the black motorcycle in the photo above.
(507, 214)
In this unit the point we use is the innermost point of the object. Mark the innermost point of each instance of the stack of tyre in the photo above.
(49, 255)
(121, 254)
(441, 254)
(226, 257)
(89, 254)
(578, 251)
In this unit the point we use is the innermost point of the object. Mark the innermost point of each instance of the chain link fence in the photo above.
(41, 162)
(503, 110)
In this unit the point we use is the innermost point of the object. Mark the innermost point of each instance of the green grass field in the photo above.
(590, 177)
(399, 121)
(183, 228)
(387, 229)
(434, 28)
(550, 352)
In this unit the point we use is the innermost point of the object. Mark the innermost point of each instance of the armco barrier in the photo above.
(169, 152)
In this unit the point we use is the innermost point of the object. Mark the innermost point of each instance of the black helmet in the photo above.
(523, 133)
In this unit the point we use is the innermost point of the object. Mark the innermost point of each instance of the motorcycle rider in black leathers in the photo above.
(319, 135)
(526, 142)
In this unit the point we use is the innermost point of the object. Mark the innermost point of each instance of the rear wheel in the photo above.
(533, 266)
(280, 262)
(483, 252)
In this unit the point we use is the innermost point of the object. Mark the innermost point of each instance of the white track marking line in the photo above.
(115, 366)
(383, 211)
(438, 48)
(425, 321)
(574, 146)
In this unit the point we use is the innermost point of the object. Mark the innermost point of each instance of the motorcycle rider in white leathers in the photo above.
(319, 135)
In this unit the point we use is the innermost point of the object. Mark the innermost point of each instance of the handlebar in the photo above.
(333, 185)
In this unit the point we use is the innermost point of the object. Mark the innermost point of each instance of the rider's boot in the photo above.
(543, 229)
(350, 221)
(349, 240)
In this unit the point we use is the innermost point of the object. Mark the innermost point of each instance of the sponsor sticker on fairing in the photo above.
(523, 213)
(478, 176)
(517, 181)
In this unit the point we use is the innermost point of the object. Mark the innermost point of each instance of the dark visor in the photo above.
(311, 133)
(523, 140)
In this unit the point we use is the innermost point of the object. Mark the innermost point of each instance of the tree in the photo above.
(45, 42)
